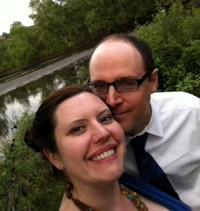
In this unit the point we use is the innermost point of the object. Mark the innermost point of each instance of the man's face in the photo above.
(114, 60)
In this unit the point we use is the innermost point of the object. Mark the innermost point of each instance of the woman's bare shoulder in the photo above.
(67, 204)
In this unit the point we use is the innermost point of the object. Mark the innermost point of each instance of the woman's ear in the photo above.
(154, 80)
(54, 159)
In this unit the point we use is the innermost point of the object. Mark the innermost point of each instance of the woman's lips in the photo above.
(103, 155)
(103, 152)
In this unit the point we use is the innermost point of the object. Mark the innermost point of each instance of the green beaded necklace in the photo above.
(131, 195)
(134, 197)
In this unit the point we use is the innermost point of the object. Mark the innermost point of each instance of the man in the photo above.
(122, 73)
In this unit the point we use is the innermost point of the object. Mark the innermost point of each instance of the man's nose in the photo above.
(113, 97)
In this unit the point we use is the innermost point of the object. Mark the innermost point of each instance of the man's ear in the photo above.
(154, 80)
(54, 159)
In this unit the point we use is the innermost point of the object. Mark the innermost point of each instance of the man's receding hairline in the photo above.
(115, 39)
(110, 40)
(133, 41)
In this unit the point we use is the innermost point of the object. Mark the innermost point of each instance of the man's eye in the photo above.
(107, 119)
(100, 85)
(128, 82)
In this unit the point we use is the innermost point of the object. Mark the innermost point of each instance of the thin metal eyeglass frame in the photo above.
(139, 82)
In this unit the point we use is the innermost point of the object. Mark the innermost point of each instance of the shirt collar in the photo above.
(155, 125)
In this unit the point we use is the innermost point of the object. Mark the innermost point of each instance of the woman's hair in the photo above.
(40, 135)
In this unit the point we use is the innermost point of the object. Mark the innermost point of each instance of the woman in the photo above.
(75, 130)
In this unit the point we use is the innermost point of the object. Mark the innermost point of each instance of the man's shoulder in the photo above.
(175, 100)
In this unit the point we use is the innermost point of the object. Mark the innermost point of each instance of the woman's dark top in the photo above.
(153, 193)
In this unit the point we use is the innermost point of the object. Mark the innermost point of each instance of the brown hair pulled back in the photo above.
(40, 135)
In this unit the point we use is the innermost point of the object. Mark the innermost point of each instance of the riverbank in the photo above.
(39, 73)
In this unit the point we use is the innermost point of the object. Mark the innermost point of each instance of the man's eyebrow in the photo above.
(121, 78)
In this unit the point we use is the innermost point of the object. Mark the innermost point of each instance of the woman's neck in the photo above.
(104, 197)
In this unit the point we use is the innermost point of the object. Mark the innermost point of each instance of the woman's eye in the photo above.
(107, 119)
(78, 130)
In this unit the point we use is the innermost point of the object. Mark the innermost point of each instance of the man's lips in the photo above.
(119, 114)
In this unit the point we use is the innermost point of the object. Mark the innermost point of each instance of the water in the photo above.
(28, 97)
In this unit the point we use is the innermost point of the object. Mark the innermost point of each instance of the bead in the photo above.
(134, 197)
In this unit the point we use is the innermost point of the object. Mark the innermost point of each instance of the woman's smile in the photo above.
(104, 155)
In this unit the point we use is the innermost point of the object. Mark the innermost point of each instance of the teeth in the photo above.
(104, 155)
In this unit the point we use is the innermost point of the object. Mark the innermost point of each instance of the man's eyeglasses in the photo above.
(122, 85)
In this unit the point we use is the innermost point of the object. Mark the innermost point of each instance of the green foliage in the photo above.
(6, 61)
(21, 44)
(59, 23)
(82, 75)
(174, 37)
(26, 181)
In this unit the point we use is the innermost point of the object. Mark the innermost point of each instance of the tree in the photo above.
(26, 181)
(22, 47)
(6, 61)
(174, 37)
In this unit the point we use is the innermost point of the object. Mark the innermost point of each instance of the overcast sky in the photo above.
(14, 10)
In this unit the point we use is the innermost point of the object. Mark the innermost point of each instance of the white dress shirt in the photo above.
(174, 142)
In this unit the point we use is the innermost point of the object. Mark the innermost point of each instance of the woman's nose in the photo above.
(100, 133)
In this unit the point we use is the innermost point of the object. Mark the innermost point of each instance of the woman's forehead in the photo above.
(82, 102)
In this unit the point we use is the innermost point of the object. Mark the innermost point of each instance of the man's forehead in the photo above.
(112, 48)
(118, 55)
(112, 43)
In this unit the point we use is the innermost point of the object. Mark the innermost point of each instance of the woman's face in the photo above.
(90, 142)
